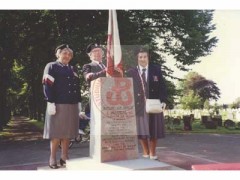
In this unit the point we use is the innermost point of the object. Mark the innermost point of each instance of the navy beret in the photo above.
(62, 46)
(92, 46)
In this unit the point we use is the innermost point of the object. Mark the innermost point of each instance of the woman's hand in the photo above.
(79, 109)
(163, 105)
(51, 108)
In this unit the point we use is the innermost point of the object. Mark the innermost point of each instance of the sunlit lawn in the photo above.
(39, 124)
(7, 132)
(197, 127)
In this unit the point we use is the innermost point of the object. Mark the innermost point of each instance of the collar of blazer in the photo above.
(150, 72)
(96, 62)
(137, 76)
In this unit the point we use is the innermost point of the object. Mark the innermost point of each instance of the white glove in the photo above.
(163, 105)
(79, 109)
(51, 108)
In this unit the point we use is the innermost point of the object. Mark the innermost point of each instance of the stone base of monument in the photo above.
(47, 168)
(135, 164)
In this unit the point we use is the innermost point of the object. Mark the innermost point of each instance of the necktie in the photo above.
(144, 76)
(102, 65)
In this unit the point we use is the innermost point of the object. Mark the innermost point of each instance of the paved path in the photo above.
(184, 150)
(20, 129)
(27, 150)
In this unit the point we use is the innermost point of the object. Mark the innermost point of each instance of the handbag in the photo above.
(154, 106)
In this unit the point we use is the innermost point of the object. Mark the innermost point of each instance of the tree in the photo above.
(8, 52)
(171, 89)
(204, 88)
(191, 101)
(206, 105)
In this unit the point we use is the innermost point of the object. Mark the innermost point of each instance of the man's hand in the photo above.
(89, 76)
(51, 108)
(118, 70)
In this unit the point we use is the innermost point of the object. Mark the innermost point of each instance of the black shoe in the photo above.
(53, 166)
(62, 162)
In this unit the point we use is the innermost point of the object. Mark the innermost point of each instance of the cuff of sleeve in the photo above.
(51, 101)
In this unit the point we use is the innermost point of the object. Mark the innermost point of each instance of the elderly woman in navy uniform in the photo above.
(95, 68)
(62, 92)
(148, 83)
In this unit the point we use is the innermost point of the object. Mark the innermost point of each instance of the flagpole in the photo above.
(114, 51)
(110, 64)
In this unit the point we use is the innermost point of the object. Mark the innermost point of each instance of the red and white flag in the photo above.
(114, 51)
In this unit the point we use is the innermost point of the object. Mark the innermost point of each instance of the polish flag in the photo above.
(114, 51)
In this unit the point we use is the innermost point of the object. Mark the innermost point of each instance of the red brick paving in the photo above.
(181, 160)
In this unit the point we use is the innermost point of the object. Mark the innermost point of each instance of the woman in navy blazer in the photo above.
(148, 83)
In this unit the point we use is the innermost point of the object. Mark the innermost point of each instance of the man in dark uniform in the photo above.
(92, 71)
(95, 68)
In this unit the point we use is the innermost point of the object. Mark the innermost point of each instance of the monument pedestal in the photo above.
(88, 164)
(129, 165)
(113, 133)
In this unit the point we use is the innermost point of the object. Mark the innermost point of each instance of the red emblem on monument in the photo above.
(120, 93)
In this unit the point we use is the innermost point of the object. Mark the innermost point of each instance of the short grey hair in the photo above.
(60, 50)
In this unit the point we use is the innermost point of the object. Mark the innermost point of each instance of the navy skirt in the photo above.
(150, 126)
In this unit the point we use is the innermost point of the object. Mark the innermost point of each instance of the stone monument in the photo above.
(113, 122)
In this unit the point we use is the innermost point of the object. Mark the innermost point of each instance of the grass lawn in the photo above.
(197, 127)
(39, 124)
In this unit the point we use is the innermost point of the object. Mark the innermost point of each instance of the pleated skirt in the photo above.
(150, 126)
(64, 124)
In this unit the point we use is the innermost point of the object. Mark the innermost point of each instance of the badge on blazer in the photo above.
(155, 78)
(75, 74)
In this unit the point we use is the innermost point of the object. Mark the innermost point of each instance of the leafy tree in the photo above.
(206, 105)
(204, 88)
(191, 101)
(8, 52)
(174, 93)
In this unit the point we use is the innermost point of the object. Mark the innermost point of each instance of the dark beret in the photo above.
(92, 46)
(62, 46)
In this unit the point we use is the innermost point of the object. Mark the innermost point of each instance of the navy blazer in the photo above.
(155, 89)
(95, 69)
(61, 84)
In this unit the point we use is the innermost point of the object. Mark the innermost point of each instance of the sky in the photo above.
(223, 64)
